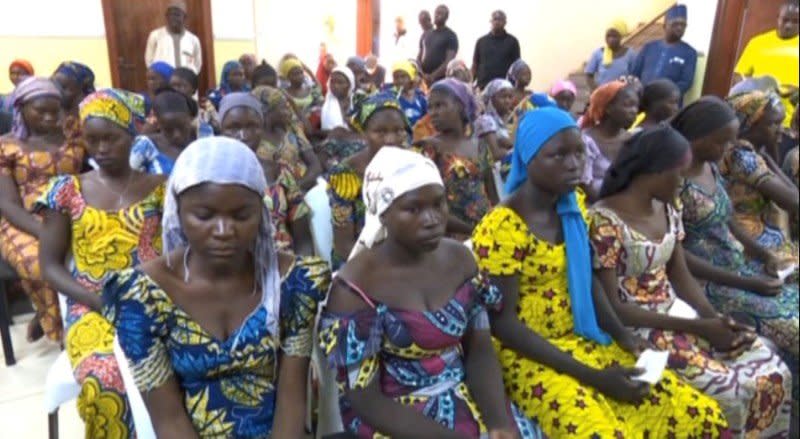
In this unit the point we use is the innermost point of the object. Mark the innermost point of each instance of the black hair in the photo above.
(263, 71)
(656, 91)
(169, 100)
(649, 151)
(703, 117)
(187, 75)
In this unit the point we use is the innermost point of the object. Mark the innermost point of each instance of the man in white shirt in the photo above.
(174, 44)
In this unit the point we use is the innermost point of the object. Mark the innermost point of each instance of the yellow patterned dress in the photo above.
(30, 171)
(229, 386)
(103, 243)
(563, 406)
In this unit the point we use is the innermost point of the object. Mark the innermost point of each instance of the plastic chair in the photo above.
(141, 417)
(321, 227)
(60, 385)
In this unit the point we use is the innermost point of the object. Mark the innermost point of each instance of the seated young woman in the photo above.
(217, 331)
(464, 161)
(156, 153)
(498, 96)
(406, 326)
(184, 80)
(36, 150)
(382, 122)
(567, 360)
(660, 102)
(101, 222)
(761, 193)
(740, 275)
(636, 234)
(283, 138)
(341, 140)
(612, 110)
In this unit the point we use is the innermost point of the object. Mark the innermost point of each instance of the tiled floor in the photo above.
(22, 412)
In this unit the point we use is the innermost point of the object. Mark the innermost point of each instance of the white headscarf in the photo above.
(332, 116)
(223, 160)
(391, 173)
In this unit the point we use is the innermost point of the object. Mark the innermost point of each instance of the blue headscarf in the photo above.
(82, 74)
(535, 130)
(224, 77)
(163, 69)
(676, 12)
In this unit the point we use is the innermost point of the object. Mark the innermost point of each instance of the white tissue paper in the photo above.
(653, 363)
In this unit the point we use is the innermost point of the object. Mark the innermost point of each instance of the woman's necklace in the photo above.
(120, 195)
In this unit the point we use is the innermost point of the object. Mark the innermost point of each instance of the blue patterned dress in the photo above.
(146, 157)
(417, 356)
(229, 385)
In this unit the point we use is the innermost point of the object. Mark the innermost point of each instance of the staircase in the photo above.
(644, 33)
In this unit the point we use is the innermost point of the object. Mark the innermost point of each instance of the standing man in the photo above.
(494, 52)
(670, 58)
(775, 53)
(439, 47)
(172, 43)
(426, 24)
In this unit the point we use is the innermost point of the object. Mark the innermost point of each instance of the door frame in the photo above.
(723, 51)
(205, 34)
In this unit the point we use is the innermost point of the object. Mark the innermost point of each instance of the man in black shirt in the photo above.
(439, 47)
(494, 52)
(427, 26)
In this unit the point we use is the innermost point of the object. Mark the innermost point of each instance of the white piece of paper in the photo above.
(681, 309)
(786, 272)
(653, 363)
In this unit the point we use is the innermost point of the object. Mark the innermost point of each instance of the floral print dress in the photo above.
(562, 405)
(347, 206)
(31, 170)
(284, 199)
(464, 181)
(229, 386)
(416, 356)
(744, 170)
(288, 153)
(102, 244)
(705, 218)
(753, 389)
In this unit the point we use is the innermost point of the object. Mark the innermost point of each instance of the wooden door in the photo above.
(129, 23)
(736, 23)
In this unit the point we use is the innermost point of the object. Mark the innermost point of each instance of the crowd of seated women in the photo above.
(497, 265)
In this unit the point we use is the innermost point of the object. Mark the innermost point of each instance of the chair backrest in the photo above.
(321, 226)
(141, 417)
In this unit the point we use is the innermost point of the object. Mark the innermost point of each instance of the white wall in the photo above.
(232, 19)
(52, 18)
(702, 14)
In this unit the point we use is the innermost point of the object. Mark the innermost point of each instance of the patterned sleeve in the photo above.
(344, 189)
(136, 308)
(747, 165)
(7, 160)
(499, 243)
(605, 236)
(488, 298)
(485, 124)
(143, 152)
(303, 289)
(294, 196)
(352, 344)
(58, 195)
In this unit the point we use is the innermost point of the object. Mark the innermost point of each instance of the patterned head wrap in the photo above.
(536, 128)
(599, 101)
(461, 93)
(287, 65)
(82, 74)
(513, 71)
(372, 105)
(30, 88)
(23, 64)
(222, 160)
(391, 173)
(750, 107)
(163, 69)
(120, 107)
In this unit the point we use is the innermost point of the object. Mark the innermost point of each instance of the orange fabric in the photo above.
(25, 64)
(599, 101)
(364, 26)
